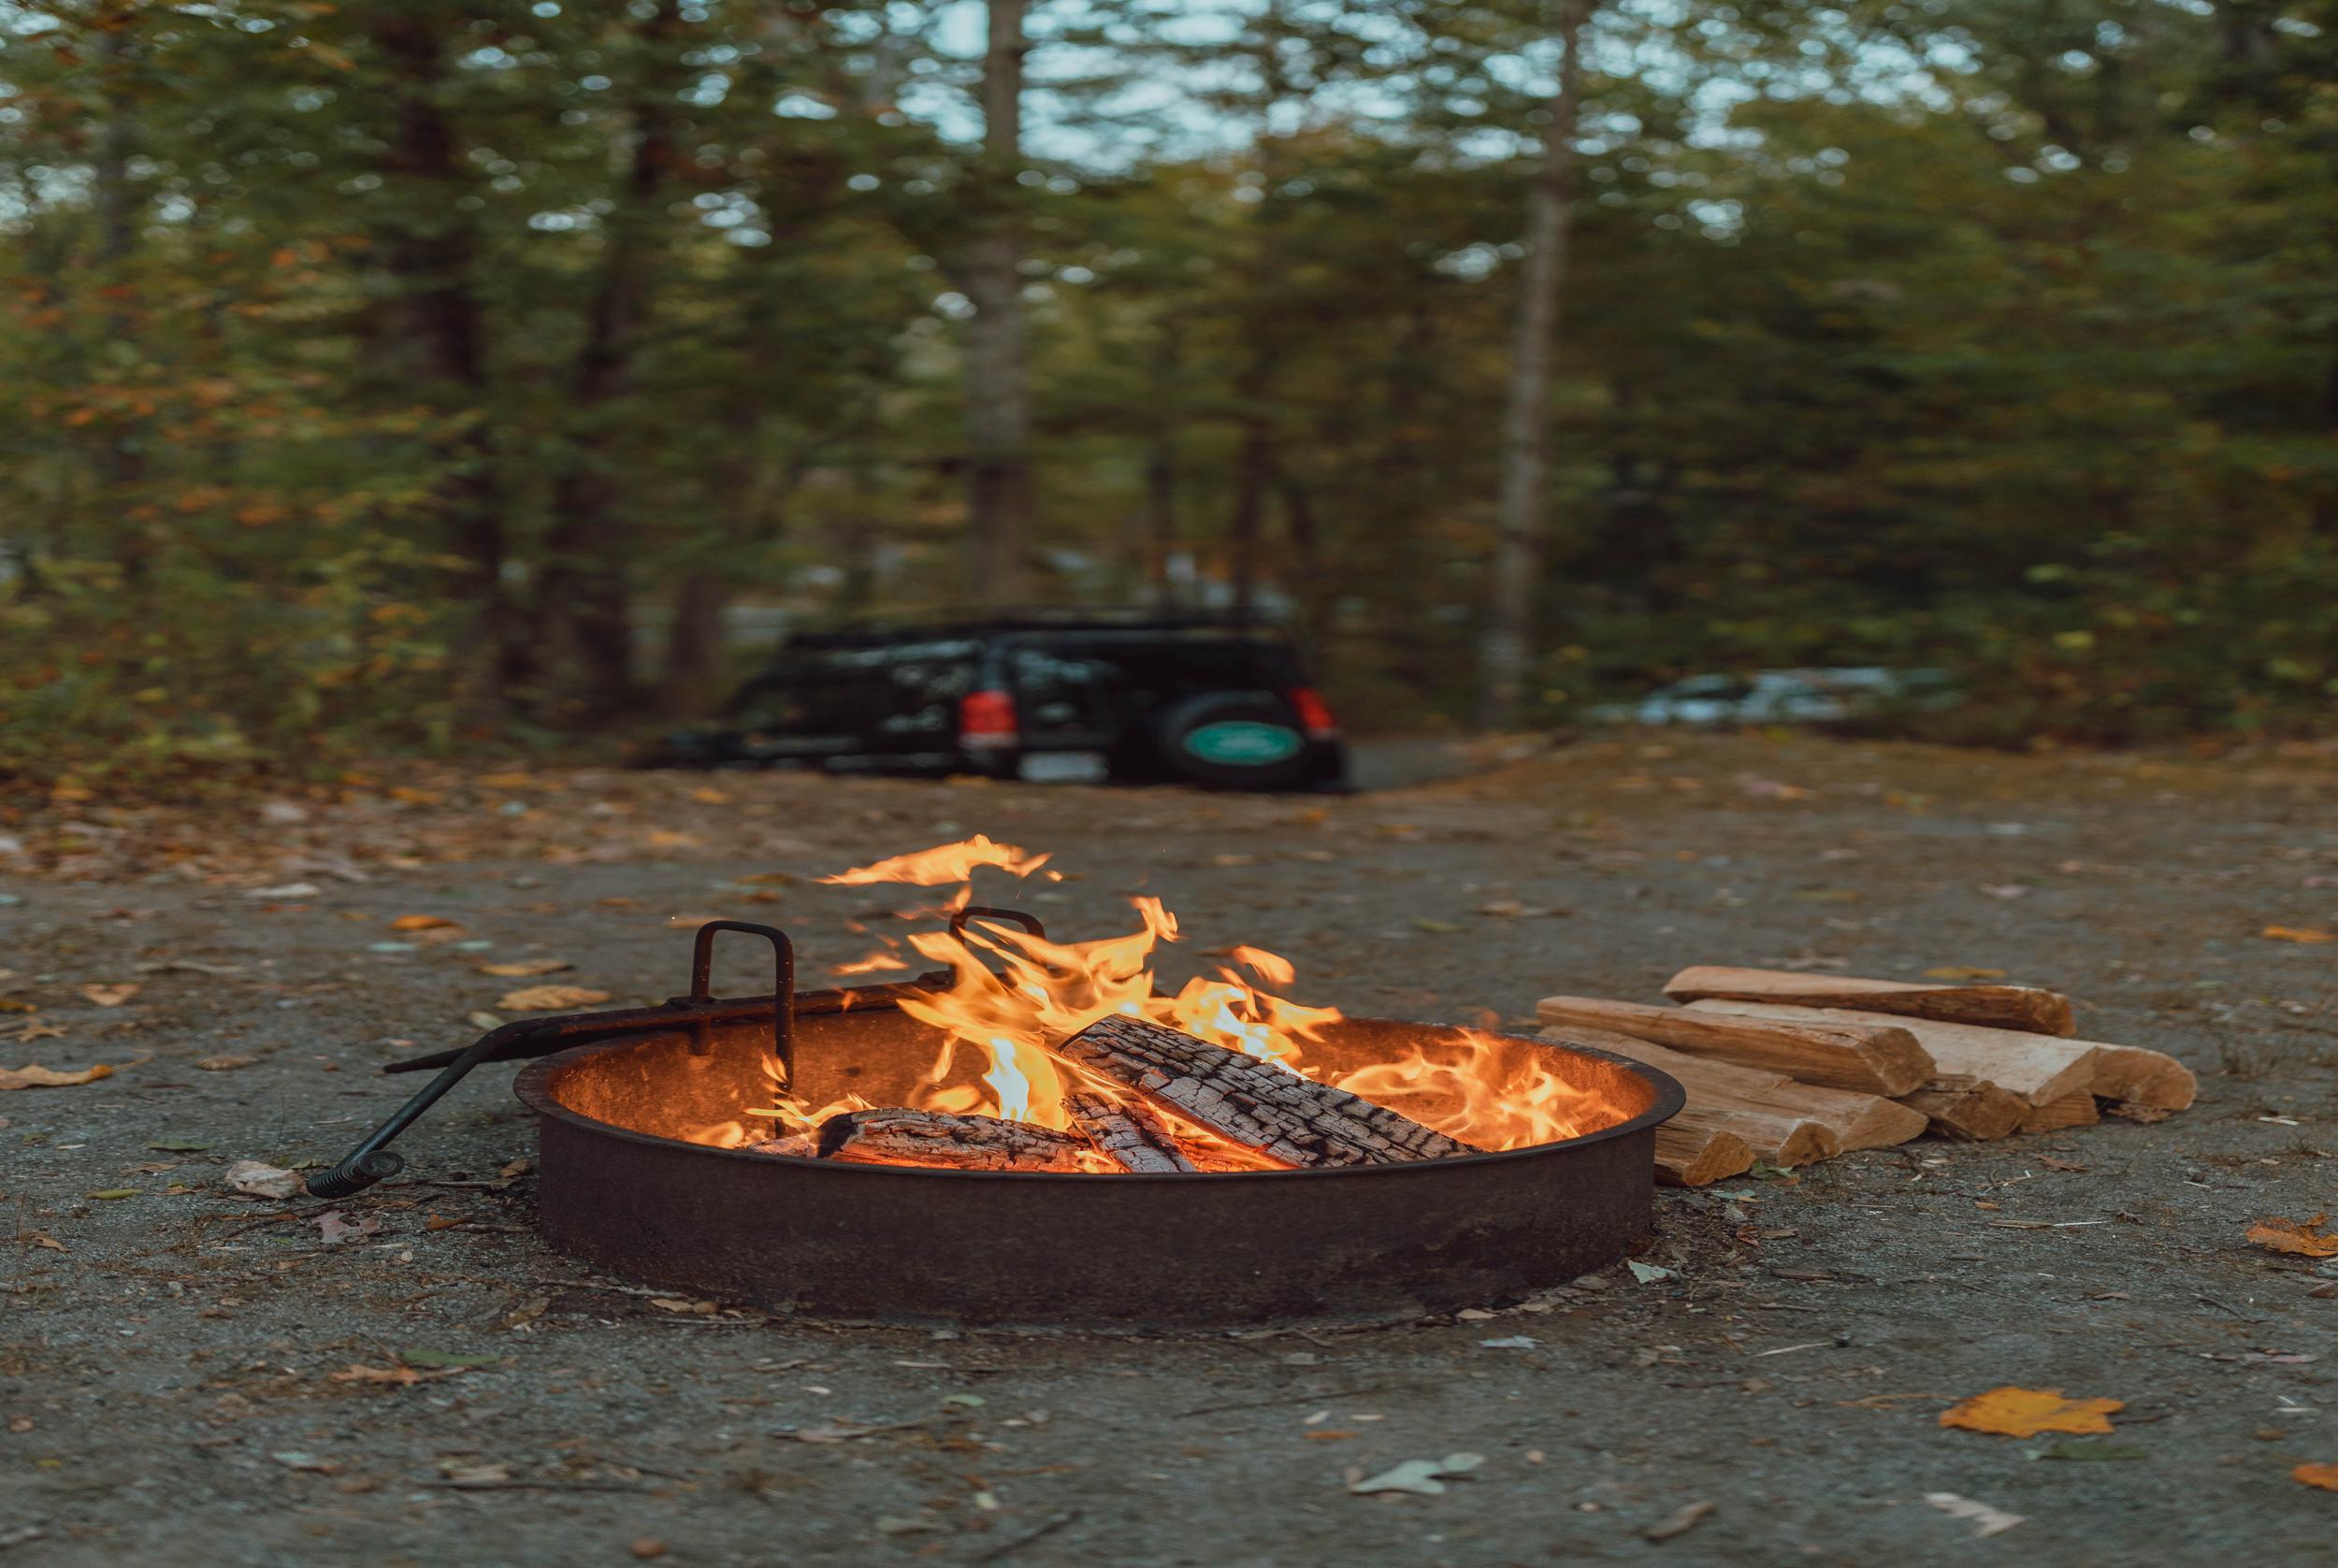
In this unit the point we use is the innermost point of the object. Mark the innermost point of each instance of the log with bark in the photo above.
(2014, 1007)
(1872, 1056)
(2054, 1115)
(1131, 1136)
(2037, 1066)
(1249, 1102)
(1688, 1156)
(1971, 1109)
(895, 1136)
(1857, 1121)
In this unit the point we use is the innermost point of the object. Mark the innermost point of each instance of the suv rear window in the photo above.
(1148, 672)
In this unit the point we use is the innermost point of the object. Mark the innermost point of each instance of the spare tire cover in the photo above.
(1232, 741)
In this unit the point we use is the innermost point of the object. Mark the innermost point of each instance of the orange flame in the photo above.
(1475, 1087)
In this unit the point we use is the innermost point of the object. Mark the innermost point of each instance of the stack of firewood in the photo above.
(1790, 1068)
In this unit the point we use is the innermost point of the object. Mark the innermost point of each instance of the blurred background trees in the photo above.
(416, 373)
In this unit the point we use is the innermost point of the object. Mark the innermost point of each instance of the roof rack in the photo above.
(941, 623)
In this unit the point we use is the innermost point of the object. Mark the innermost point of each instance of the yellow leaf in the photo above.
(38, 1077)
(2322, 1475)
(550, 999)
(2308, 1240)
(520, 968)
(666, 838)
(421, 923)
(109, 996)
(2012, 1411)
(710, 797)
(2297, 933)
(1963, 971)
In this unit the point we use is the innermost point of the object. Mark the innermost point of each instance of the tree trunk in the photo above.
(1160, 468)
(436, 317)
(1308, 590)
(121, 463)
(998, 398)
(1254, 470)
(1524, 502)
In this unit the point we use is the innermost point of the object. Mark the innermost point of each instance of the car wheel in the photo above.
(1232, 740)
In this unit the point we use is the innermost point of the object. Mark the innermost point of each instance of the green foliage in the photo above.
(369, 366)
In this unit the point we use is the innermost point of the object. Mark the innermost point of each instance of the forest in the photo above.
(442, 376)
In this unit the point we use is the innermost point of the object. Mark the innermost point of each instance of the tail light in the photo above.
(1315, 714)
(986, 721)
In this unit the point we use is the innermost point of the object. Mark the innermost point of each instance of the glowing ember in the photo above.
(1013, 997)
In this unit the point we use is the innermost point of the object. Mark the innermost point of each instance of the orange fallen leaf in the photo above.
(710, 797)
(520, 968)
(402, 1376)
(550, 999)
(2308, 1240)
(2322, 1475)
(111, 996)
(2297, 933)
(2012, 1411)
(38, 1077)
(421, 923)
(666, 838)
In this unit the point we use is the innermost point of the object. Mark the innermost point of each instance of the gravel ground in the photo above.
(175, 1364)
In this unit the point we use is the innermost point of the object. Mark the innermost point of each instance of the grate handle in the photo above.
(783, 985)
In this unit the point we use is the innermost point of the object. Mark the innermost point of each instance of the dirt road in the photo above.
(176, 1363)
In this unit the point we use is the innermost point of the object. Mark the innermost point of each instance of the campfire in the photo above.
(1068, 1056)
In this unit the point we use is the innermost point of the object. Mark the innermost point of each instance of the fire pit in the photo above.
(1109, 1157)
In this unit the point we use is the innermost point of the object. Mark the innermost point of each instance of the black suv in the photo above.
(1087, 694)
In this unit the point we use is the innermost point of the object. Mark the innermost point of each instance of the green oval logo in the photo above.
(1243, 742)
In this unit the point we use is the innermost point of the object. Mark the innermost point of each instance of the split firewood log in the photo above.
(2072, 1110)
(1249, 1102)
(1870, 1057)
(2037, 1066)
(2012, 1007)
(1971, 1109)
(898, 1136)
(1779, 1138)
(2142, 1076)
(1132, 1135)
(1697, 1158)
(1859, 1121)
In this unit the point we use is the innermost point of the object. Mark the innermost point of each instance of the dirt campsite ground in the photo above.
(195, 1376)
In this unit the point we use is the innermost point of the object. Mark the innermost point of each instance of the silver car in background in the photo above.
(1788, 696)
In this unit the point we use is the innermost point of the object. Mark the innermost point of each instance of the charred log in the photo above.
(1253, 1103)
(931, 1138)
(1131, 1136)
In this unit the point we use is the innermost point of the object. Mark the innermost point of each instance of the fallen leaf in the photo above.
(254, 1179)
(1678, 1522)
(1963, 971)
(307, 1462)
(38, 1077)
(113, 1192)
(111, 996)
(289, 890)
(2309, 1240)
(399, 1376)
(550, 999)
(333, 1228)
(1986, 1520)
(1423, 1476)
(463, 1473)
(422, 923)
(674, 1303)
(1436, 927)
(710, 797)
(441, 1222)
(482, 1020)
(1515, 1342)
(521, 968)
(2322, 1475)
(2012, 1411)
(1647, 1273)
(2004, 890)
(224, 1064)
(2297, 933)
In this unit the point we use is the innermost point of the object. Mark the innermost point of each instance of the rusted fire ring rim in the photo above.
(532, 1087)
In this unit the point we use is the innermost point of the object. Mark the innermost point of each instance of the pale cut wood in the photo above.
(1859, 1121)
(897, 1136)
(1697, 1159)
(2072, 1110)
(2036, 1067)
(2030, 1008)
(2143, 1077)
(1779, 1138)
(1250, 1103)
(1871, 1056)
(1131, 1136)
(1973, 1110)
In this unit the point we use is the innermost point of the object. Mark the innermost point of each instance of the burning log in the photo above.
(1869, 1054)
(1964, 1107)
(2012, 1007)
(1250, 1103)
(931, 1138)
(1133, 1136)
